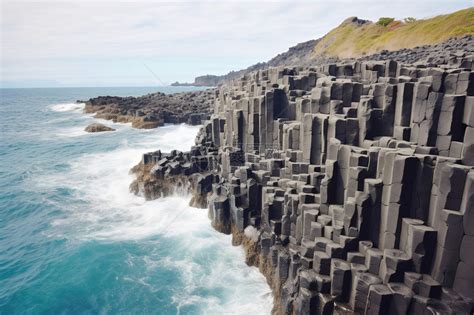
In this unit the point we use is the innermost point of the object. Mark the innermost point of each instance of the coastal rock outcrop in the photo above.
(153, 110)
(163, 174)
(350, 185)
(96, 127)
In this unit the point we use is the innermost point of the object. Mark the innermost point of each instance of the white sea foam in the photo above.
(179, 137)
(67, 107)
(70, 132)
(110, 213)
(102, 181)
(251, 233)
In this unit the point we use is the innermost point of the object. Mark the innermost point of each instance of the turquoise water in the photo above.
(73, 240)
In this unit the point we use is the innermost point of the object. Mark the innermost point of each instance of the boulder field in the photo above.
(350, 185)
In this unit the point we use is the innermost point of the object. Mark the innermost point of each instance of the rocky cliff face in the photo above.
(350, 185)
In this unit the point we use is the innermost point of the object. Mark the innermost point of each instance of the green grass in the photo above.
(351, 40)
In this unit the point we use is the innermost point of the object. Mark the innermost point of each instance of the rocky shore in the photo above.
(153, 110)
(350, 185)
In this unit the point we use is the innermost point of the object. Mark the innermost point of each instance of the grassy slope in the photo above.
(351, 40)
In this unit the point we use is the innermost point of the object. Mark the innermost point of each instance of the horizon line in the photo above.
(111, 86)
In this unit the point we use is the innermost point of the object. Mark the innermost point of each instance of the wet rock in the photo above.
(154, 110)
(96, 127)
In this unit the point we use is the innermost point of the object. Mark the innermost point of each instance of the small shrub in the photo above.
(384, 21)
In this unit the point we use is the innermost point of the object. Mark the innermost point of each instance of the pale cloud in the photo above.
(108, 42)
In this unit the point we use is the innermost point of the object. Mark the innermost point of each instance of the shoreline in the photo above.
(153, 110)
(158, 176)
(198, 185)
(299, 165)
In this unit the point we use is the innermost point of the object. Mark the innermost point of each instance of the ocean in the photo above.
(74, 240)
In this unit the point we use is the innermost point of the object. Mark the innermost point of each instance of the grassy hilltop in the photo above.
(355, 37)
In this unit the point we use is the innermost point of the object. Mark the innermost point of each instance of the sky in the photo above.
(149, 43)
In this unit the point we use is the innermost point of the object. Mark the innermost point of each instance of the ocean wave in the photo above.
(67, 107)
(101, 180)
(172, 137)
(113, 213)
(71, 132)
(212, 275)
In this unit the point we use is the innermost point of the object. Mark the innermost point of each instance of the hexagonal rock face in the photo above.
(96, 127)
(357, 180)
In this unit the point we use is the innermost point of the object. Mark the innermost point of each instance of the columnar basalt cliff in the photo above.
(350, 185)
(153, 110)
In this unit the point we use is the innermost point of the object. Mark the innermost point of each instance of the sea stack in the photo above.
(350, 185)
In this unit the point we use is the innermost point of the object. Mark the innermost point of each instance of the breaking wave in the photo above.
(67, 107)
(212, 275)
